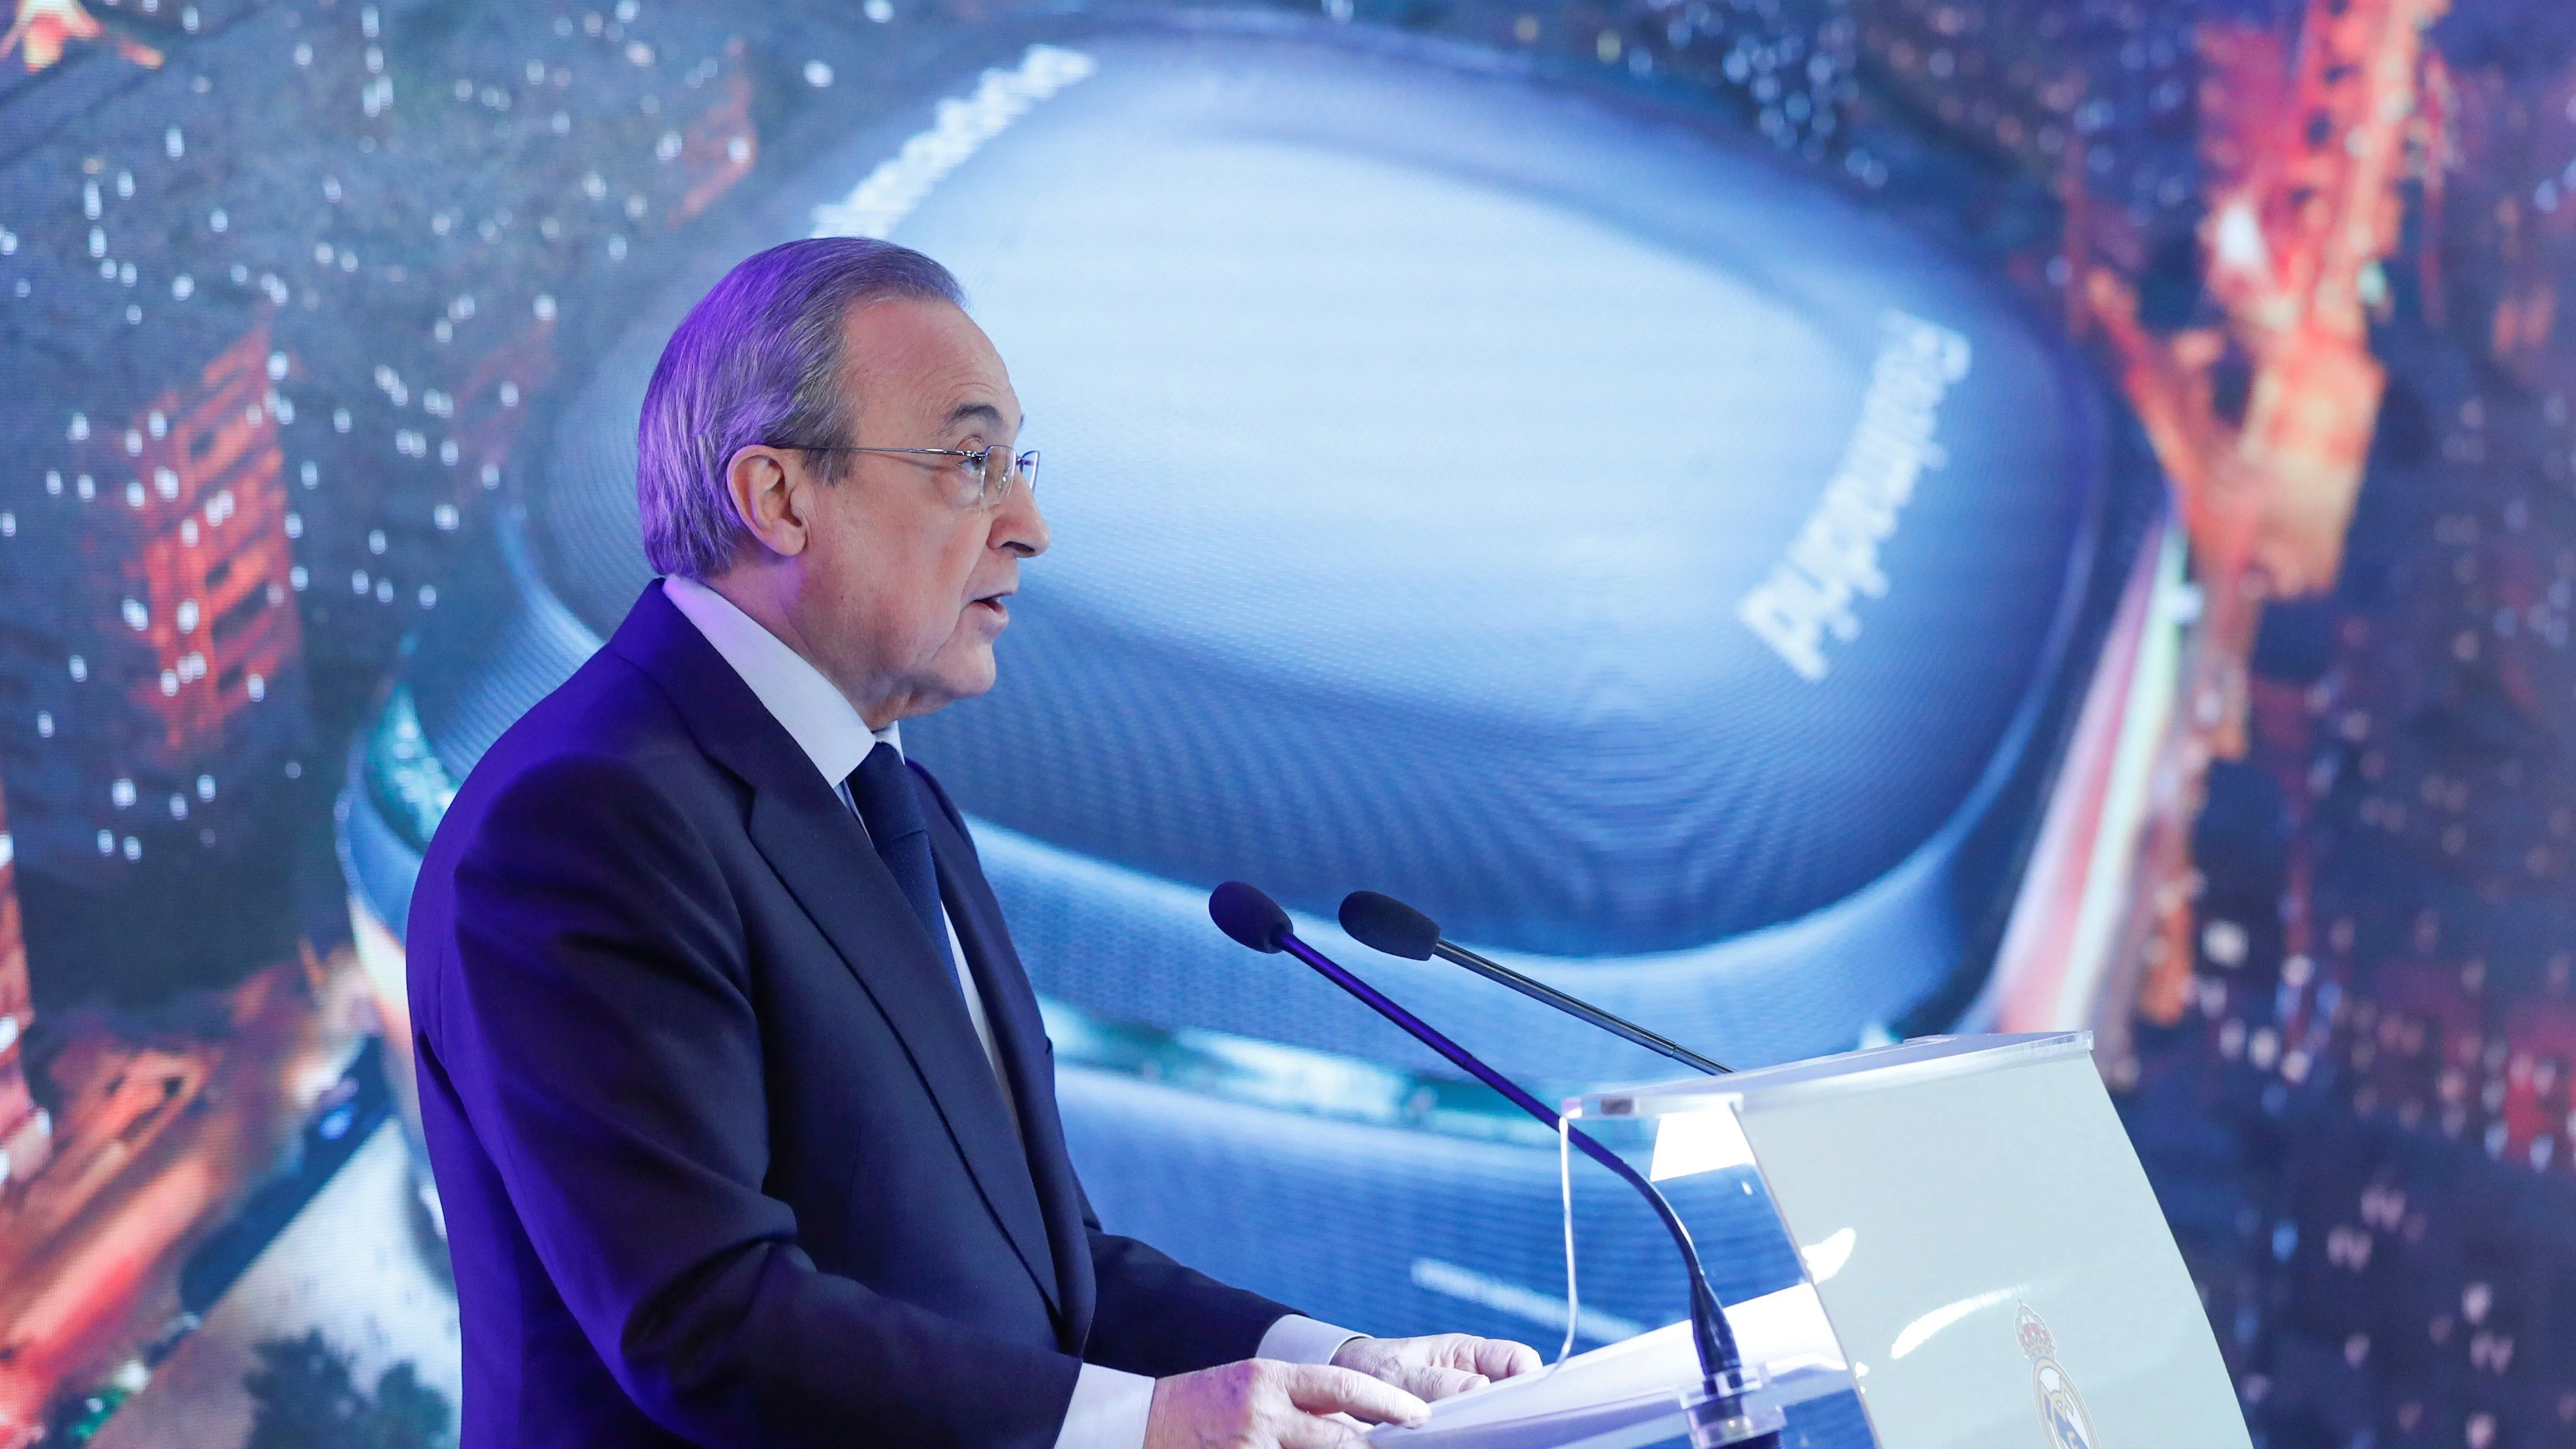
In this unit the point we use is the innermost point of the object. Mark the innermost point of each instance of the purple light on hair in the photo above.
(757, 360)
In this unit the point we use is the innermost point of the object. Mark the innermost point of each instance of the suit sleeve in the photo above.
(593, 1016)
(1157, 1317)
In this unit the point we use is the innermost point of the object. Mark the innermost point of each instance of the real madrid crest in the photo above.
(2062, 1415)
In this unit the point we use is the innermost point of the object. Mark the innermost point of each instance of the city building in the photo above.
(26, 1130)
(154, 645)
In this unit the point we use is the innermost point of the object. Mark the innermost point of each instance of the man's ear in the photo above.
(770, 491)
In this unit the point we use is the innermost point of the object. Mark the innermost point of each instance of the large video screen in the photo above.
(1805, 522)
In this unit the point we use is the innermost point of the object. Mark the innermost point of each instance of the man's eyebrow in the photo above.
(986, 411)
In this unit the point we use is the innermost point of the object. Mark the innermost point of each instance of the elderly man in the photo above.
(741, 1109)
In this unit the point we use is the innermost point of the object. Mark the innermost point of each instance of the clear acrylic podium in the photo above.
(1985, 1264)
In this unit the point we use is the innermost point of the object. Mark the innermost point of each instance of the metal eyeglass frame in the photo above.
(1024, 466)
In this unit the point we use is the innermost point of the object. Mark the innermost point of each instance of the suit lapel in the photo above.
(1019, 1031)
(819, 852)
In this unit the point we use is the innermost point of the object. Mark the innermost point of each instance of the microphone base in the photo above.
(1725, 1421)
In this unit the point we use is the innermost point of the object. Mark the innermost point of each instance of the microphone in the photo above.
(1383, 923)
(1717, 1416)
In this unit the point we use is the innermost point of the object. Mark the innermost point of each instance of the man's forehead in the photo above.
(930, 357)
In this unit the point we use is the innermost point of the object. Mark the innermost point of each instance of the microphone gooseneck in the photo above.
(1383, 923)
(1252, 919)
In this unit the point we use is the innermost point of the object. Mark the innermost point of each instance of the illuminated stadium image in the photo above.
(1505, 495)
(1805, 523)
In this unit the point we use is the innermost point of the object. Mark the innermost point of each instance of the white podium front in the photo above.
(1986, 1265)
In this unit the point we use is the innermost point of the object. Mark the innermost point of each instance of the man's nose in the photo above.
(1018, 526)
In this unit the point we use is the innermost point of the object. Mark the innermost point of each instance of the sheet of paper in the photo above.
(1635, 1378)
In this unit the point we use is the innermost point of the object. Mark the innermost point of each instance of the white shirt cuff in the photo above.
(1299, 1339)
(1108, 1411)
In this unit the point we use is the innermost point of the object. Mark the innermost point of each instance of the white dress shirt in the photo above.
(1109, 1405)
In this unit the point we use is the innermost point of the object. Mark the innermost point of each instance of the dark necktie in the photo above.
(882, 789)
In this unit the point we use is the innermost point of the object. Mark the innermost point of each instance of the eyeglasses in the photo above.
(991, 472)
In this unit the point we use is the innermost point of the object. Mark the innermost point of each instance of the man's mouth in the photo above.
(994, 605)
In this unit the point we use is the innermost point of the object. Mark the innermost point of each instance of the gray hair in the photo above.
(758, 360)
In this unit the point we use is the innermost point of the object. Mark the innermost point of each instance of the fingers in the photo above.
(1489, 1358)
(1306, 1431)
(1495, 1358)
(1268, 1403)
(1431, 1382)
(1500, 1358)
(1321, 1389)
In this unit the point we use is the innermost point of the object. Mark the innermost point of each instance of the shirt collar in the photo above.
(810, 707)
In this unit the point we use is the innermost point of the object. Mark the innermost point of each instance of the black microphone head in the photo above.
(1383, 923)
(1251, 918)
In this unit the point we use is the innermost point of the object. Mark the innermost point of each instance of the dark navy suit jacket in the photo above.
(722, 1159)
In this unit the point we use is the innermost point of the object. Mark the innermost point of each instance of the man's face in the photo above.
(906, 571)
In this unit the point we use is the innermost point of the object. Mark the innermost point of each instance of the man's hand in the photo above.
(1440, 1364)
(1261, 1403)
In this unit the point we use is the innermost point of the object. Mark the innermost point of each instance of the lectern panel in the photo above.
(2008, 1278)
